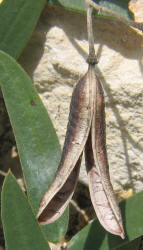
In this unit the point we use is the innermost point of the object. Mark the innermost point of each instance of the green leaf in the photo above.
(133, 245)
(17, 21)
(94, 237)
(36, 139)
(21, 229)
(120, 7)
(78, 5)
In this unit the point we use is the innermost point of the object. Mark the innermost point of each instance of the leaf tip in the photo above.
(9, 171)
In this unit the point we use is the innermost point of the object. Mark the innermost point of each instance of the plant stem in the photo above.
(121, 18)
(91, 57)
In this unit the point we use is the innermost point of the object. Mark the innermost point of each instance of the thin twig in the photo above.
(92, 57)
(121, 18)
(3, 173)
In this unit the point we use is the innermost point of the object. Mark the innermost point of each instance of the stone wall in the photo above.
(55, 58)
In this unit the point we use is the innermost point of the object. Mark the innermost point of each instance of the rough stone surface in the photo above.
(55, 58)
(136, 7)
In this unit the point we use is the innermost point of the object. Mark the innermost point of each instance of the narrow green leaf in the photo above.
(120, 7)
(21, 229)
(94, 237)
(133, 245)
(90, 237)
(36, 139)
(78, 5)
(17, 21)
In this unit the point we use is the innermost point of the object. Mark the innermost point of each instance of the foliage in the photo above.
(120, 7)
(38, 145)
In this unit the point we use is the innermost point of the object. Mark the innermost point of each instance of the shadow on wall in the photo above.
(116, 35)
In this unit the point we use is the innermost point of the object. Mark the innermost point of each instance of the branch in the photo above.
(116, 15)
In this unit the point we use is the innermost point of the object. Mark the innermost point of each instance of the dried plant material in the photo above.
(58, 246)
(86, 129)
(80, 117)
(80, 211)
(101, 191)
(3, 173)
(138, 25)
(19, 180)
(14, 152)
(85, 132)
(53, 209)
(21, 184)
(124, 194)
(136, 7)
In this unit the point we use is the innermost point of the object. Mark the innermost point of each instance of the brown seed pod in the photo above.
(81, 110)
(101, 191)
(85, 130)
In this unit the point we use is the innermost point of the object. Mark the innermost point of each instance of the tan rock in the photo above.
(136, 7)
(55, 59)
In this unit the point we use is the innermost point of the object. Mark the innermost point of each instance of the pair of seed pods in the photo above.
(85, 133)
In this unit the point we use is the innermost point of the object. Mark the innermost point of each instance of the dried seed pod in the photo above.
(86, 129)
(80, 118)
(60, 200)
(102, 194)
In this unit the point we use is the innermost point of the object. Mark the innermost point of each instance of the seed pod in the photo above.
(81, 110)
(101, 191)
(60, 200)
(85, 130)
